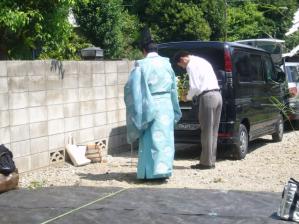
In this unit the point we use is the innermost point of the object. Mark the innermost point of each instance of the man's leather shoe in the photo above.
(202, 167)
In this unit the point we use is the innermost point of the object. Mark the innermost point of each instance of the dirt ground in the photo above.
(267, 167)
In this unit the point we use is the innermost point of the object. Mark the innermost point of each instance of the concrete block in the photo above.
(55, 126)
(71, 109)
(38, 129)
(100, 119)
(99, 92)
(54, 82)
(38, 145)
(57, 156)
(122, 66)
(17, 68)
(5, 135)
(122, 78)
(70, 95)
(121, 103)
(55, 112)
(18, 117)
(36, 68)
(110, 67)
(70, 67)
(4, 119)
(18, 84)
(84, 67)
(111, 91)
(86, 135)
(100, 132)
(23, 164)
(37, 98)
(21, 148)
(87, 107)
(37, 83)
(54, 67)
(40, 160)
(3, 85)
(100, 106)
(111, 79)
(86, 121)
(85, 80)
(19, 133)
(71, 124)
(56, 141)
(18, 100)
(131, 65)
(4, 101)
(37, 114)
(3, 68)
(97, 67)
(111, 104)
(86, 94)
(70, 82)
(112, 117)
(120, 89)
(99, 79)
(122, 115)
(54, 97)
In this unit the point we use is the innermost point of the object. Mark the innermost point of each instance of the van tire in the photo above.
(278, 135)
(241, 148)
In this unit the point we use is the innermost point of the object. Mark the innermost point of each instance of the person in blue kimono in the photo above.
(152, 110)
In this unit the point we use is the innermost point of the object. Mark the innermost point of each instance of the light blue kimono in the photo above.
(152, 111)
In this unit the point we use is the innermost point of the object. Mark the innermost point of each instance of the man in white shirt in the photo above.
(204, 86)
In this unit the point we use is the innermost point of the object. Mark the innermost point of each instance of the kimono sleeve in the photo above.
(140, 108)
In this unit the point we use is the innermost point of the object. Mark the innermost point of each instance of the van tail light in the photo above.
(228, 66)
(293, 91)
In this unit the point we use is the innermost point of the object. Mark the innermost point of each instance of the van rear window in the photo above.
(214, 55)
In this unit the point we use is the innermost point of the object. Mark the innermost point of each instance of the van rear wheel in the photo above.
(277, 136)
(241, 148)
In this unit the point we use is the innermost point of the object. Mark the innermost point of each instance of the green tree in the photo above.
(292, 41)
(278, 16)
(108, 25)
(39, 26)
(244, 21)
(172, 20)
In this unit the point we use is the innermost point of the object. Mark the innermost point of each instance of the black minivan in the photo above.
(248, 82)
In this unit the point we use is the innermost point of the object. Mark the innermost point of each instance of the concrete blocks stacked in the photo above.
(44, 102)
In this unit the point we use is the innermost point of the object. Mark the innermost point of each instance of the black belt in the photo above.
(206, 91)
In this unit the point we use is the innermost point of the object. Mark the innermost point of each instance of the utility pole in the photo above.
(225, 20)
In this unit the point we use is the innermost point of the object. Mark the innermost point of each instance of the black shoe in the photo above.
(202, 167)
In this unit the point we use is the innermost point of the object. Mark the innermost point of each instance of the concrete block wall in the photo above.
(42, 103)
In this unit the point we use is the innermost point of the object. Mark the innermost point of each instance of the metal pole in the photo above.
(131, 155)
(225, 18)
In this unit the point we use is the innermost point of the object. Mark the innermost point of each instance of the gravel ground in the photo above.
(266, 167)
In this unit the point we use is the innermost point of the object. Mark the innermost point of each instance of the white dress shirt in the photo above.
(201, 76)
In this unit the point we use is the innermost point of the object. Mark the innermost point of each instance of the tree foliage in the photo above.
(252, 19)
(39, 26)
(108, 25)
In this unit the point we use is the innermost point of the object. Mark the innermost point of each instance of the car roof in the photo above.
(218, 44)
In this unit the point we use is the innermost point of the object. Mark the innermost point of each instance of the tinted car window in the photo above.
(269, 68)
(241, 64)
(293, 75)
(213, 55)
(256, 67)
